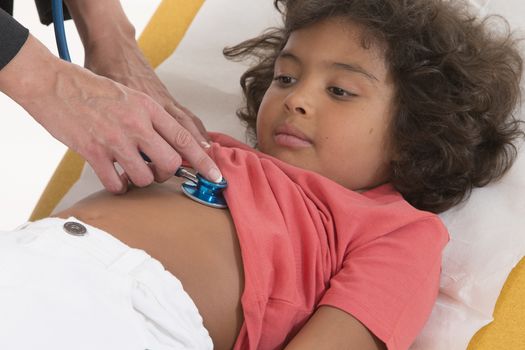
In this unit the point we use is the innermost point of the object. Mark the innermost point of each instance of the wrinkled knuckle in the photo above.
(183, 137)
(91, 151)
(112, 186)
(119, 149)
(204, 162)
(106, 178)
(142, 98)
(112, 139)
(196, 120)
(173, 106)
(132, 124)
(173, 163)
(178, 118)
(136, 124)
(163, 100)
(149, 104)
(162, 176)
(144, 180)
(177, 113)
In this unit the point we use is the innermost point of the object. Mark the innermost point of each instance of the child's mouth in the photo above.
(287, 140)
(287, 135)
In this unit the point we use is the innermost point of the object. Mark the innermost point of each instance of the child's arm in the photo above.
(331, 328)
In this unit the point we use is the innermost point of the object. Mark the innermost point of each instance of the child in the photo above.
(358, 108)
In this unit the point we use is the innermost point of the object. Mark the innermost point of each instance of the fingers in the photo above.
(163, 155)
(187, 120)
(135, 170)
(164, 159)
(169, 131)
(108, 175)
(156, 133)
(194, 119)
(130, 122)
(187, 146)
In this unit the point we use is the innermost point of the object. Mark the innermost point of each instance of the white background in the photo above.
(29, 155)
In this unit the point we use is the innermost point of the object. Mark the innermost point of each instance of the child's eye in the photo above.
(284, 80)
(340, 92)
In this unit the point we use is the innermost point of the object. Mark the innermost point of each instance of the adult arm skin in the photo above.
(102, 120)
(112, 51)
(332, 329)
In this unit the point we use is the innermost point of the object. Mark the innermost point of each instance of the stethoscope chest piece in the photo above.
(203, 191)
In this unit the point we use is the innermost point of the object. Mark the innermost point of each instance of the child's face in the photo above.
(330, 106)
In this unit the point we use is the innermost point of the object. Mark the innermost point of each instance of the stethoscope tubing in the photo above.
(60, 32)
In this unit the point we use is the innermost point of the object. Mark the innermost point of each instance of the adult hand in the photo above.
(123, 62)
(102, 120)
(112, 51)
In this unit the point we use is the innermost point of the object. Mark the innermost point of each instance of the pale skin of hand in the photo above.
(104, 120)
(112, 51)
(123, 61)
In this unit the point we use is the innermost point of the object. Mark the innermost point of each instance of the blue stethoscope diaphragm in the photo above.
(202, 190)
(197, 187)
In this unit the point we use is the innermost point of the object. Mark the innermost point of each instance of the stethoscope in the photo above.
(196, 187)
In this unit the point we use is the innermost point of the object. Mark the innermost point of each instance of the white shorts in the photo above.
(67, 285)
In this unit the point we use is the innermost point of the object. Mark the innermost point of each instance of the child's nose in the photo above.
(298, 102)
(297, 109)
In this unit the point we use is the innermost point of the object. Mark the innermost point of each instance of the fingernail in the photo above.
(215, 175)
(205, 144)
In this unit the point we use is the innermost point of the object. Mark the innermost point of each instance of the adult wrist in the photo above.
(30, 73)
(39, 81)
(101, 23)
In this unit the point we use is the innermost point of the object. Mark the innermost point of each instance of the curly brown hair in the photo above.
(457, 81)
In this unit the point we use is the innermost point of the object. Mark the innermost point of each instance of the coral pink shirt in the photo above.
(306, 241)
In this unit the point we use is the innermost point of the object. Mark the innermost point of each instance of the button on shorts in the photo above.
(67, 285)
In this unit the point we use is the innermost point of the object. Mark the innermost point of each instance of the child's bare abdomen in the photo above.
(195, 243)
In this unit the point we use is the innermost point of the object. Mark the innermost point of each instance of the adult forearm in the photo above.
(112, 51)
(31, 73)
(101, 23)
(53, 91)
(109, 41)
